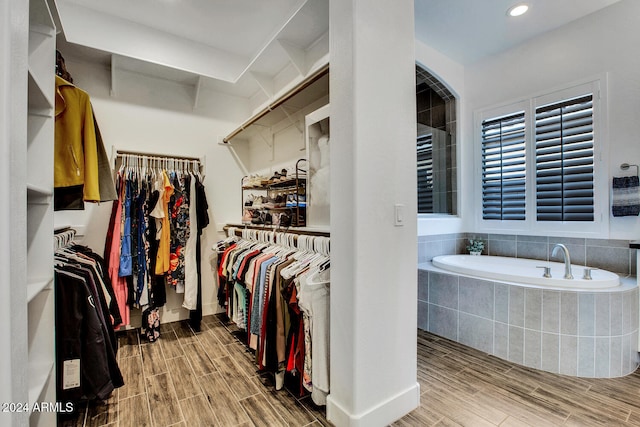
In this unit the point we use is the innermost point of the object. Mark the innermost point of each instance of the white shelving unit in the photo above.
(39, 187)
(27, 104)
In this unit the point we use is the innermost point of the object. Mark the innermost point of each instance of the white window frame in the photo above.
(588, 229)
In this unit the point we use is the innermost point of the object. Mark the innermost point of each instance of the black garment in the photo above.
(113, 308)
(68, 198)
(202, 217)
(158, 296)
(81, 335)
(150, 327)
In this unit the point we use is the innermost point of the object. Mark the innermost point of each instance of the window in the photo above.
(425, 173)
(564, 160)
(503, 167)
(435, 146)
(540, 163)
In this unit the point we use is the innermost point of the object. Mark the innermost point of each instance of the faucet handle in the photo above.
(547, 270)
(587, 273)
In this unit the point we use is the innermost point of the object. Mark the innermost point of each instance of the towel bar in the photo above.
(626, 166)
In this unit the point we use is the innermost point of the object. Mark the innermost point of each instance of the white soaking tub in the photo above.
(505, 307)
(525, 271)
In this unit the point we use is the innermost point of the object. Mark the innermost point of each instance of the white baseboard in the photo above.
(381, 414)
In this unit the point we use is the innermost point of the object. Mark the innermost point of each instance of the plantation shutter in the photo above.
(564, 160)
(503, 167)
(425, 173)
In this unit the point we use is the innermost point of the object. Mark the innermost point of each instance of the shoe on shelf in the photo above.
(280, 201)
(258, 202)
(275, 176)
(246, 216)
(285, 220)
(257, 217)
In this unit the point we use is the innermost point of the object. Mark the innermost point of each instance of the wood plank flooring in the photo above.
(461, 386)
(194, 379)
(208, 379)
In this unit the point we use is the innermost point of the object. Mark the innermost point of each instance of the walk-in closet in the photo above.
(176, 193)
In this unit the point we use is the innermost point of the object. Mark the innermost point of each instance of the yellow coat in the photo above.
(75, 149)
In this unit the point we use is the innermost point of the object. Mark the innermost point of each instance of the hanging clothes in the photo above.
(190, 270)
(81, 171)
(86, 312)
(149, 230)
(279, 294)
(202, 218)
(164, 248)
(113, 255)
(180, 229)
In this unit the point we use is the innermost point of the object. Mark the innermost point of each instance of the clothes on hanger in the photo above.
(79, 156)
(149, 231)
(86, 312)
(279, 294)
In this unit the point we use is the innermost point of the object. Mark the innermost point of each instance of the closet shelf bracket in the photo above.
(297, 56)
(265, 82)
(196, 93)
(114, 63)
(291, 120)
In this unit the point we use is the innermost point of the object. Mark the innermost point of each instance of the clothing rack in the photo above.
(237, 229)
(63, 238)
(275, 287)
(315, 243)
(158, 161)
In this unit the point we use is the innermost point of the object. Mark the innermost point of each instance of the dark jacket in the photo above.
(81, 333)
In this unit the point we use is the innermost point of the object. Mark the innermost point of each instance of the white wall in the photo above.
(281, 145)
(604, 42)
(157, 116)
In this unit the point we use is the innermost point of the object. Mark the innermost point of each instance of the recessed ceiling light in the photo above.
(517, 10)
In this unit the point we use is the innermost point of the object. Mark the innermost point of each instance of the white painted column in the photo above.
(373, 169)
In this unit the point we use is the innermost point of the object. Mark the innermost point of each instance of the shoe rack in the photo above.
(279, 197)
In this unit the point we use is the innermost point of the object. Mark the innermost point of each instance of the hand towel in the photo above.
(626, 196)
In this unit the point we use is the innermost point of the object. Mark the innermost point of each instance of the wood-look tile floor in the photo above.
(190, 379)
(461, 386)
(208, 379)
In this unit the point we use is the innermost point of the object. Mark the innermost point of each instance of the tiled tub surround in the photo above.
(611, 255)
(578, 333)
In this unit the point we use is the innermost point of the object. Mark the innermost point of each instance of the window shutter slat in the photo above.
(424, 147)
(503, 167)
(564, 160)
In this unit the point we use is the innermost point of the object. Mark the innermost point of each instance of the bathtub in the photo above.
(525, 271)
(504, 307)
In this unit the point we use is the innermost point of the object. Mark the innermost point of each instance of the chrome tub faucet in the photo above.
(567, 259)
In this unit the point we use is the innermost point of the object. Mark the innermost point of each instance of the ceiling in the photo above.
(223, 40)
(470, 30)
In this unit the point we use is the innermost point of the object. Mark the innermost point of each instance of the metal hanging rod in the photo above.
(303, 85)
(120, 153)
(238, 230)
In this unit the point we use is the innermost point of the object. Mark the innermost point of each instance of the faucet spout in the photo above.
(567, 259)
